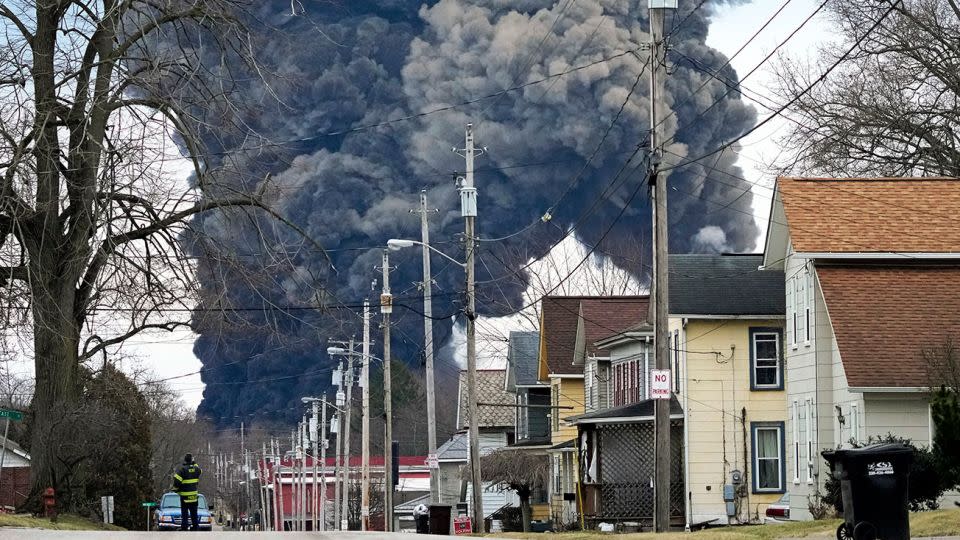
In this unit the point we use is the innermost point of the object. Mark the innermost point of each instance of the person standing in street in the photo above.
(186, 483)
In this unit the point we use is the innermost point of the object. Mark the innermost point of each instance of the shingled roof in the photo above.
(702, 284)
(602, 316)
(491, 390)
(883, 317)
(872, 215)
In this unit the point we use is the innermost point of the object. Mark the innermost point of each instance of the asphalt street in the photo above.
(35, 534)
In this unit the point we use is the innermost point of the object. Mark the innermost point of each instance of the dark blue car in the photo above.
(168, 513)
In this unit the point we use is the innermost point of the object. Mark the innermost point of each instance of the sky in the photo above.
(171, 354)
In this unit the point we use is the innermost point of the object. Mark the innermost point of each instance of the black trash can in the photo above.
(421, 516)
(874, 484)
(440, 518)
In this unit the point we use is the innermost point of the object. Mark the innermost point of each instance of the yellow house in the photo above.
(726, 324)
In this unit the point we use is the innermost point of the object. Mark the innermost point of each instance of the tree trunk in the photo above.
(526, 512)
(58, 386)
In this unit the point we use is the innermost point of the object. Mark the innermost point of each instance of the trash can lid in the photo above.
(869, 451)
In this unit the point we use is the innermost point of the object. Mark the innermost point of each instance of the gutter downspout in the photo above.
(688, 513)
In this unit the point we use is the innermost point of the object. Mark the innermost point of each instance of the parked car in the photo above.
(168, 513)
(779, 512)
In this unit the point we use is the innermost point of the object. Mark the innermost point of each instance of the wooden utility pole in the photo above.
(323, 464)
(428, 351)
(468, 209)
(338, 465)
(658, 64)
(365, 423)
(345, 505)
(386, 308)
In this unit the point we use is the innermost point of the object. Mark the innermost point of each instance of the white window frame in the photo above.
(809, 308)
(554, 410)
(755, 359)
(557, 476)
(588, 383)
(809, 429)
(778, 429)
(646, 371)
(796, 442)
(794, 287)
(855, 422)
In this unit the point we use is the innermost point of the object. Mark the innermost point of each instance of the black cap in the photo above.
(188, 458)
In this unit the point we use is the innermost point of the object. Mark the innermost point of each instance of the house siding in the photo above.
(538, 420)
(815, 372)
(717, 384)
(570, 393)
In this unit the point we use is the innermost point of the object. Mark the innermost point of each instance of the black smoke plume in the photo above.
(340, 66)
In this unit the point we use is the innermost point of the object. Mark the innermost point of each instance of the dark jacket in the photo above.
(186, 482)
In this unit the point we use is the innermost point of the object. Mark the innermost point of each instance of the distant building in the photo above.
(15, 476)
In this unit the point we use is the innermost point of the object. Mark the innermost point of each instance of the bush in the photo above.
(927, 483)
(511, 518)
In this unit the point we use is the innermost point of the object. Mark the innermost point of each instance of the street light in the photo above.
(396, 244)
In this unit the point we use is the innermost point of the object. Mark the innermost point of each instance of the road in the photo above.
(34, 534)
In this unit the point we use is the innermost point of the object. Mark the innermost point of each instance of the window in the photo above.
(855, 422)
(676, 361)
(557, 478)
(646, 371)
(808, 308)
(768, 473)
(616, 385)
(554, 410)
(796, 442)
(795, 311)
(633, 382)
(765, 365)
(808, 405)
(589, 385)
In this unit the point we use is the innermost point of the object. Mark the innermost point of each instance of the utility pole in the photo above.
(345, 505)
(262, 474)
(304, 445)
(315, 439)
(323, 460)
(428, 350)
(338, 467)
(386, 308)
(365, 423)
(658, 64)
(468, 209)
(243, 451)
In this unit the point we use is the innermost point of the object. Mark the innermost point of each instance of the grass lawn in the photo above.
(64, 523)
(935, 523)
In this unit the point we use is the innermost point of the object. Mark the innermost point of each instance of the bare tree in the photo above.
(890, 108)
(91, 215)
(520, 471)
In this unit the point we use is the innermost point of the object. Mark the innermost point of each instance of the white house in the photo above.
(872, 269)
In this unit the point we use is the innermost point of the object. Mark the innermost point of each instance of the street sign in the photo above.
(660, 383)
(462, 525)
(16, 416)
(433, 462)
(148, 504)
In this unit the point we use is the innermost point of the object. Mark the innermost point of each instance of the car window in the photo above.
(785, 499)
(202, 502)
(170, 500)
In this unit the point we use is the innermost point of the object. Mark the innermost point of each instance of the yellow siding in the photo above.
(540, 512)
(718, 393)
(569, 393)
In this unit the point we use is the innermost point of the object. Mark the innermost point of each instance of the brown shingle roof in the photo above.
(884, 316)
(558, 333)
(603, 315)
(490, 389)
(872, 215)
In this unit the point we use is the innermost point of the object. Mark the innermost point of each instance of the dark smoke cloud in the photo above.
(363, 62)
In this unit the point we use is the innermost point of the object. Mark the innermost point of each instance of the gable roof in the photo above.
(560, 318)
(702, 284)
(871, 215)
(455, 449)
(558, 335)
(602, 317)
(490, 389)
(523, 354)
(884, 316)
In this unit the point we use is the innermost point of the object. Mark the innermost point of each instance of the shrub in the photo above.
(927, 482)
